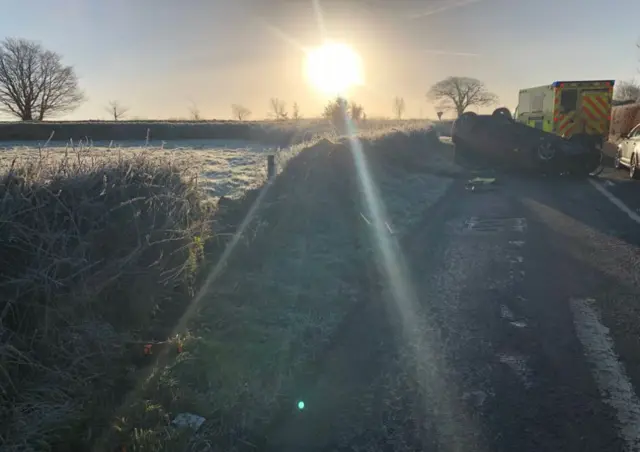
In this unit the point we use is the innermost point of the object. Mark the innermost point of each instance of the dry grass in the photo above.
(93, 249)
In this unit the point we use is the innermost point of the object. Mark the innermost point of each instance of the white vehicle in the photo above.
(629, 153)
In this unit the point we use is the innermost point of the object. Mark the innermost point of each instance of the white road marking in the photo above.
(389, 228)
(614, 384)
(518, 243)
(615, 201)
(518, 324)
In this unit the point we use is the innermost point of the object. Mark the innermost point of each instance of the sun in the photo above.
(334, 68)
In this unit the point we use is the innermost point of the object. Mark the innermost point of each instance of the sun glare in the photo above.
(334, 68)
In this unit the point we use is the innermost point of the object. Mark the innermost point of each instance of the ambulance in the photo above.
(576, 110)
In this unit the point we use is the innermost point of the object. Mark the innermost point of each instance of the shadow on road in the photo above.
(367, 394)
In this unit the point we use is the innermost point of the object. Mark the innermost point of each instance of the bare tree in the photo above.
(336, 111)
(278, 108)
(398, 107)
(628, 90)
(295, 112)
(116, 110)
(194, 112)
(460, 93)
(240, 112)
(356, 111)
(33, 81)
(439, 113)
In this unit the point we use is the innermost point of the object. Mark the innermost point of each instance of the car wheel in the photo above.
(616, 160)
(633, 168)
(502, 112)
(545, 152)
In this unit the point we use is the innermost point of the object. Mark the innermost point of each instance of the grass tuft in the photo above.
(93, 251)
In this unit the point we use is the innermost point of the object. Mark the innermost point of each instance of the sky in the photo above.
(161, 57)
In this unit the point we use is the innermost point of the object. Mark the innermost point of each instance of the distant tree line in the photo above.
(35, 84)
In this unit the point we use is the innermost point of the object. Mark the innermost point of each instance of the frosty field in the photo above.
(223, 167)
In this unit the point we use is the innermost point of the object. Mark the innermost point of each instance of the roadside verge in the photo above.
(303, 266)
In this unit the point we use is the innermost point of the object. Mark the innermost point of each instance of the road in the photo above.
(515, 328)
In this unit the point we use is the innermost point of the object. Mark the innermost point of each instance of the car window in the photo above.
(635, 132)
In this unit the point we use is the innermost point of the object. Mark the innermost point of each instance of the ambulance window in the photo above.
(569, 99)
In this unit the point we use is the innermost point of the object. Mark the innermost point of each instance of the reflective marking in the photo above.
(610, 375)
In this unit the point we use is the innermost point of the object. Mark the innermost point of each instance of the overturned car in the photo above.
(498, 140)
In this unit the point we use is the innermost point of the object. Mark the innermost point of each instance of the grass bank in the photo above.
(306, 264)
(94, 253)
(121, 248)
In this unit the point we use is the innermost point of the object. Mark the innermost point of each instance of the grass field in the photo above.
(281, 133)
(224, 167)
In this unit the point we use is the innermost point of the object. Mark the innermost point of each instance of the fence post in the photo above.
(271, 166)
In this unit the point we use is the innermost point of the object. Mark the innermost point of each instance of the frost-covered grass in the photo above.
(280, 301)
(224, 167)
(282, 133)
(94, 248)
(227, 167)
(285, 290)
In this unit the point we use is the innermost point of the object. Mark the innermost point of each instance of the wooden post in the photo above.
(271, 166)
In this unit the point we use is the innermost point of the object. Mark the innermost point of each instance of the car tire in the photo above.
(545, 152)
(616, 160)
(469, 114)
(633, 167)
(502, 112)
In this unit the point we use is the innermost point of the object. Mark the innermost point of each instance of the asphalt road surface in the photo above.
(514, 326)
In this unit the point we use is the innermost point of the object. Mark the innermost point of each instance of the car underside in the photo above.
(498, 140)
